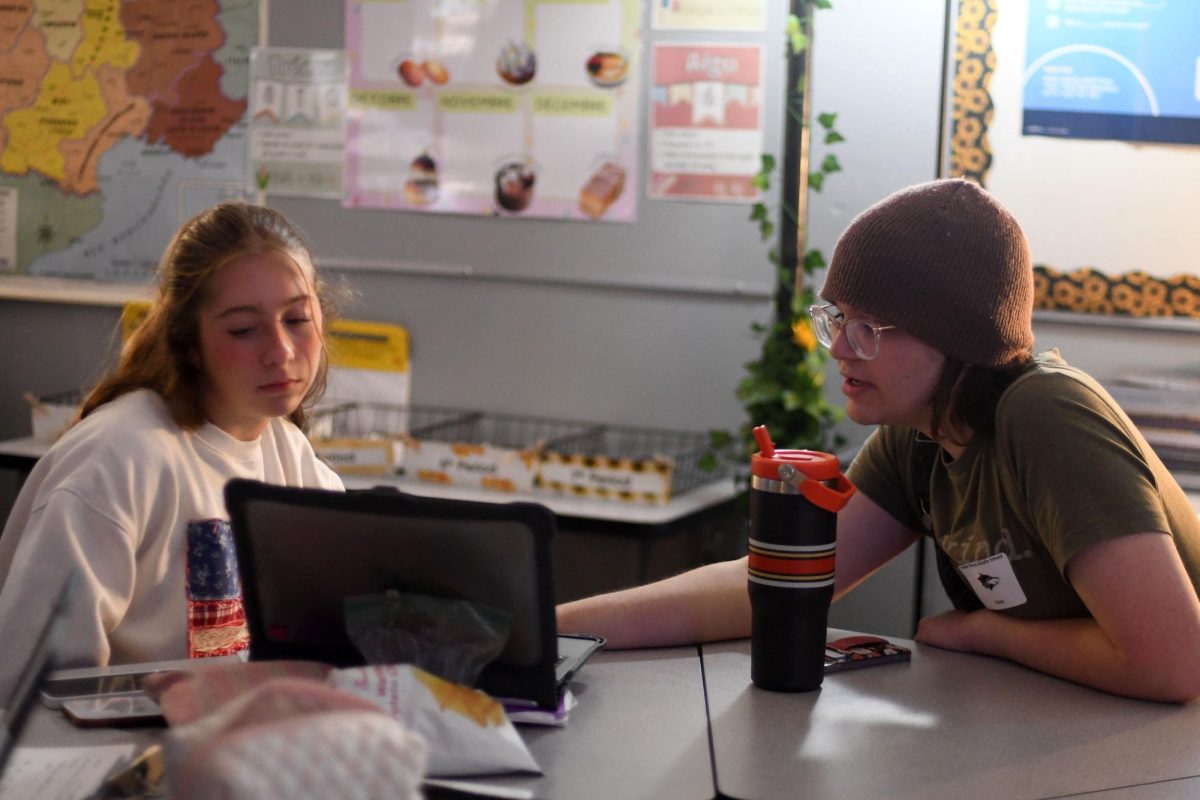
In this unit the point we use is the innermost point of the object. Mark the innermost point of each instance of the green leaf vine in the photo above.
(783, 388)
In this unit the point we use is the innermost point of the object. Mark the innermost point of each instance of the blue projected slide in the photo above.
(1113, 69)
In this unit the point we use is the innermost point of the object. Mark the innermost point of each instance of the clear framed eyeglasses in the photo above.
(861, 335)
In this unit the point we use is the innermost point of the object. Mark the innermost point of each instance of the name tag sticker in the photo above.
(994, 582)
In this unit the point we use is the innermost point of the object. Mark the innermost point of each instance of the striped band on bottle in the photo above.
(791, 566)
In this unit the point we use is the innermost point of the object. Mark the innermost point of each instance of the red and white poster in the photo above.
(705, 122)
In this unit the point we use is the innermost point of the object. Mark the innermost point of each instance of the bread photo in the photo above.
(602, 189)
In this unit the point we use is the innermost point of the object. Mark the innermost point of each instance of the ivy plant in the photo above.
(783, 388)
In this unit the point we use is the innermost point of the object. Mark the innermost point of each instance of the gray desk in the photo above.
(639, 731)
(947, 725)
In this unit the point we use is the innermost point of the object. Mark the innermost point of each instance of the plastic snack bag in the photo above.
(295, 739)
(453, 639)
(467, 731)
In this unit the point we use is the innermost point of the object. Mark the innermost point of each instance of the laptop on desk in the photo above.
(301, 552)
(17, 706)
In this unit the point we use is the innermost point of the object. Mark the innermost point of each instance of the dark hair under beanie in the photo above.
(945, 262)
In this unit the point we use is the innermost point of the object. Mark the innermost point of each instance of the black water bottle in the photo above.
(794, 499)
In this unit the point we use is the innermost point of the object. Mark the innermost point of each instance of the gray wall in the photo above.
(47, 348)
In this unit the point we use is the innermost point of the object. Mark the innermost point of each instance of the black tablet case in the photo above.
(301, 551)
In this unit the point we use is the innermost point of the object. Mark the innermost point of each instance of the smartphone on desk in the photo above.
(854, 652)
(57, 692)
(113, 711)
(89, 682)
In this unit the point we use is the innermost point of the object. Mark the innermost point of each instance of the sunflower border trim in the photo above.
(974, 65)
(1131, 294)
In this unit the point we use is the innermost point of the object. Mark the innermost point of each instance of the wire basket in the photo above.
(438, 444)
(510, 452)
(373, 438)
(388, 421)
(628, 463)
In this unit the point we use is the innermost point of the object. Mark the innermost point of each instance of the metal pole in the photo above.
(792, 233)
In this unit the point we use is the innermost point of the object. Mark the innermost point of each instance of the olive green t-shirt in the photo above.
(1064, 469)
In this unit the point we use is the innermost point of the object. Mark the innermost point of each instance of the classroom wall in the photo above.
(661, 342)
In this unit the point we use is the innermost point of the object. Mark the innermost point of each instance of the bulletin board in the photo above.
(1111, 224)
(684, 246)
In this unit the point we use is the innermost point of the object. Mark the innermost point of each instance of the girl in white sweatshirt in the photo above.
(214, 384)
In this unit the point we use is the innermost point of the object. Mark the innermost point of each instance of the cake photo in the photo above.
(410, 72)
(516, 63)
(607, 68)
(421, 188)
(436, 71)
(414, 72)
(514, 185)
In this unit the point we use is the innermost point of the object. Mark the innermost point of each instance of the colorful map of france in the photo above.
(118, 119)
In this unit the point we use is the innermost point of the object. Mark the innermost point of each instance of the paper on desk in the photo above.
(477, 789)
(526, 712)
(60, 772)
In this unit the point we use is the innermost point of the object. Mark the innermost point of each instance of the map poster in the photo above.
(709, 15)
(706, 134)
(297, 115)
(510, 108)
(119, 120)
(8, 229)
(1113, 69)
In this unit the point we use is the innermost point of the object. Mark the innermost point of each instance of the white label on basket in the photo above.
(357, 456)
(647, 484)
(484, 466)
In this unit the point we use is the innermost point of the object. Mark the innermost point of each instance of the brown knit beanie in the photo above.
(945, 262)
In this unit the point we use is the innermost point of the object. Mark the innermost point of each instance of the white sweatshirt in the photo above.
(135, 505)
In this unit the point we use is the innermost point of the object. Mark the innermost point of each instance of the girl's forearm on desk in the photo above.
(706, 604)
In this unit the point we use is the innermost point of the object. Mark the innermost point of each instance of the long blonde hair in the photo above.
(160, 353)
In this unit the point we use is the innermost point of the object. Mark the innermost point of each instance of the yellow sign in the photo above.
(132, 315)
(354, 344)
(580, 104)
(713, 15)
(477, 102)
(383, 100)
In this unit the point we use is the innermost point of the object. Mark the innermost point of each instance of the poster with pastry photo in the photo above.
(499, 109)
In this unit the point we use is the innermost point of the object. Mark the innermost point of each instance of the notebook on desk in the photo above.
(301, 552)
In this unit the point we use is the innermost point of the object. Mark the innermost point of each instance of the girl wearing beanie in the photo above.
(1062, 540)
